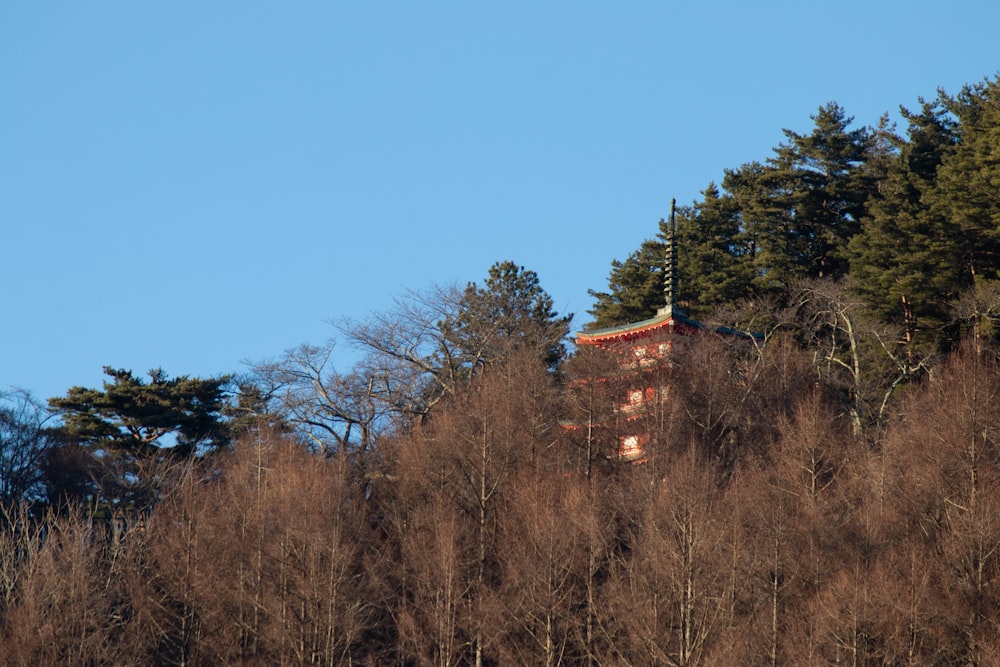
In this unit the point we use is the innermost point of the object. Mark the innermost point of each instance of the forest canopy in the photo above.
(908, 222)
(824, 492)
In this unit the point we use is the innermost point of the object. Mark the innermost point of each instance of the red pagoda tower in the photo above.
(644, 349)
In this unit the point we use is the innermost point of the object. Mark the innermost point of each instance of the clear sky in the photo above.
(189, 185)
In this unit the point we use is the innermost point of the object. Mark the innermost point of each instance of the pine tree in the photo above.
(772, 255)
(510, 311)
(635, 287)
(130, 427)
(935, 232)
(968, 182)
(903, 263)
(805, 204)
(714, 254)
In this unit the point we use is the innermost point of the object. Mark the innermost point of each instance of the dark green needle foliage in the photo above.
(806, 203)
(509, 312)
(131, 425)
(934, 233)
(715, 256)
(635, 287)
(904, 263)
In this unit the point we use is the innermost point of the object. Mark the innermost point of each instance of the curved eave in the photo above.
(667, 320)
(625, 331)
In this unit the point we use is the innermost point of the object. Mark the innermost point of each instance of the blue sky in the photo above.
(189, 185)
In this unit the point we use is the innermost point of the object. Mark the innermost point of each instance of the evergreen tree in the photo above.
(883, 147)
(714, 259)
(828, 188)
(131, 426)
(903, 263)
(635, 287)
(806, 203)
(770, 254)
(935, 232)
(509, 312)
(968, 182)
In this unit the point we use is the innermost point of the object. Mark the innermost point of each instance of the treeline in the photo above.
(762, 530)
(909, 222)
(457, 497)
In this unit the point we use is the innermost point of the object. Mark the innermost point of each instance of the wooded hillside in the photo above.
(763, 530)
(827, 496)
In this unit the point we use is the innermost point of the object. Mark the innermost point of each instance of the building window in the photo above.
(631, 447)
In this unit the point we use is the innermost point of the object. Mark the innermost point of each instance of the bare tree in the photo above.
(23, 441)
(854, 352)
(671, 591)
(910, 617)
(414, 356)
(406, 367)
(336, 412)
(544, 569)
(593, 396)
(259, 561)
(958, 430)
(471, 452)
(21, 539)
(436, 572)
(65, 606)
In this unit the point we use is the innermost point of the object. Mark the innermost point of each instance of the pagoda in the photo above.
(644, 350)
(668, 319)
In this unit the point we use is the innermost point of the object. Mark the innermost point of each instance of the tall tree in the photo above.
(335, 412)
(435, 342)
(969, 177)
(130, 425)
(23, 442)
(903, 263)
(853, 352)
(935, 232)
(669, 593)
(714, 254)
(821, 182)
(750, 186)
(804, 205)
(64, 600)
(509, 312)
(414, 356)
(543, 564)
(778, 222)
(635, 287)
(468, 456)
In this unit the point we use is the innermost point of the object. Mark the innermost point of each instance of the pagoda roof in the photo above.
(667, 319)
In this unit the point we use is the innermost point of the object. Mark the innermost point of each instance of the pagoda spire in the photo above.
(670, 272)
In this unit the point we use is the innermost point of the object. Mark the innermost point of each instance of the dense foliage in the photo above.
(909, 222)
(459, 496)
(761, 530)
(117, 441)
